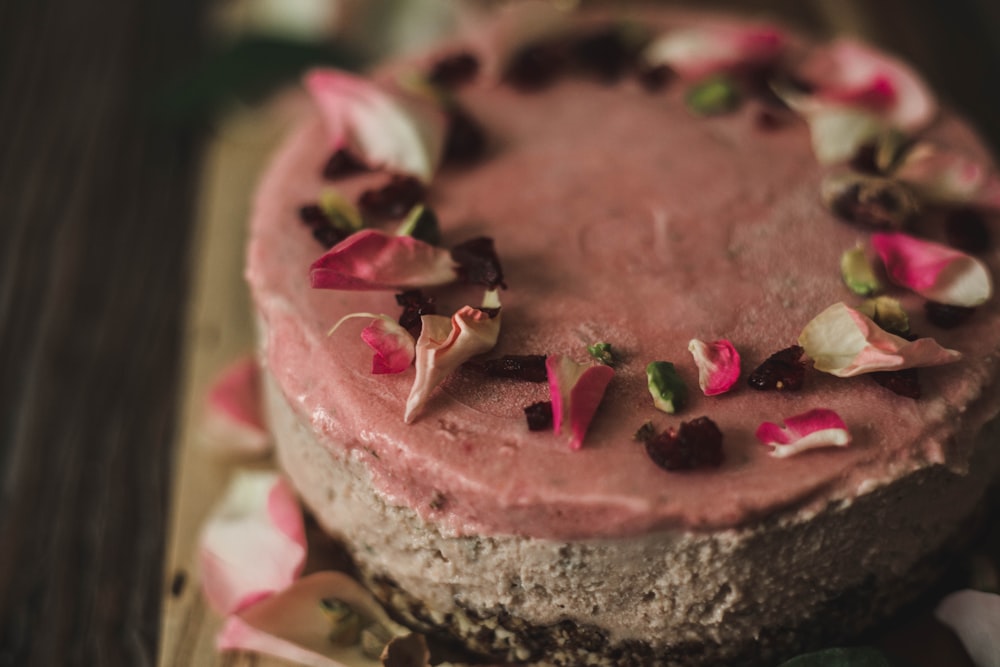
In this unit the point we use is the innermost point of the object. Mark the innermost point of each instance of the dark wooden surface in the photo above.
(96, 204)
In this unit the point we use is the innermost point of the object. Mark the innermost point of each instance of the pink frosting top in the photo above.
(620, 217)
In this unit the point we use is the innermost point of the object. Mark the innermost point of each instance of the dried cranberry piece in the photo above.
(783, 370)
(539, 416)
(947, 316)
(528, 367)
(321, 226)
(342, 163)
(904, 382)
(966, 230)
(466, 139)
(603, 54)
(454, 70)
(535, 67)
(478, 262)
(656, 78)
(865, 159)
(415, 305)
(769, 120)
(696, 444)
(394, 199)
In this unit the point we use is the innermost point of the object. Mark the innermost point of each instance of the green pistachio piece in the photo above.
(342, 213)
(665, 386)
(421, 223)
(887, 313)
(717, 95)
(857, 272)
(602, 353)
(345, 623)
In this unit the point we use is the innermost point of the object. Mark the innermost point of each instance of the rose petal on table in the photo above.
(699, 51)
(446, 343)
(374, 260)
(810, 430)
(844, 342)
(385, 128)
(576, 391)
(946, 175)
(292, 626)
(975, 617)
(234, 423)
(253, 543)
(935, 271)
(718, 365)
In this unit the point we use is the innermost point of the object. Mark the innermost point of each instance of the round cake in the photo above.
(662, 188)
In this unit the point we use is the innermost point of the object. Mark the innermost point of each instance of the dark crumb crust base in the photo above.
(497, 635)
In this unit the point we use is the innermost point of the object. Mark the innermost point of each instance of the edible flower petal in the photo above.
(946, 175)
(388, 129)
(393, 344)
(291, 625)
(576, 391)
(809, 430)
(447, 343)
(253, 543)
(374, 260)
(975, 617)
(718, 365)
(697, 52)
(233, 423)
(843, 342)
(934, 271)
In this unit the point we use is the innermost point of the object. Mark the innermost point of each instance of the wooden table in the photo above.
(98, 192)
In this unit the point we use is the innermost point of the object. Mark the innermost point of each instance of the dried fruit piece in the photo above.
(869, 201)
(905, 382)
(696, 444)
(576, 391)
(655, 78)
(603, 53)
(394, 199)
(714, 96)
(602, 353)
(945, 316)
(478, 262)
(422, 224)
(535, 67)
(718, 365)
(321, 226)
(645, 433)
(454, 70)
(528, 367)
(665, 386)
(341, 164)
(783, 371)
(857, 272)
(415, 305)
(539, 416)
(934, 271)
(466, 139)
(810, 430)
(965, 229)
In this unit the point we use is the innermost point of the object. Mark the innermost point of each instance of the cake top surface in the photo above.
(619, 216)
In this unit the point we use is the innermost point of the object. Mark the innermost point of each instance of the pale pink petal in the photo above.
(393, 345)
(975, 617)
(253, 543)
(809, 430)
(945, 175)
(844, 342)
(445, 344)
(576, 391)
(374, 260)
(934, 271)
(290, 624)
(850, 74)
(234, 423)
(699, 51)
(838, 133)
(718, 365)
(388, 129)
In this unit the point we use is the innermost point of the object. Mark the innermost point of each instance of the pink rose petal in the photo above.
(234, 424)
(384, 128)
(700, 51)
(576, 391)
(934, 271)
(809, 430)
(393, 345)
(253, 543)
(945, 175)
(718, 365)
(844, 342)
(374, 260)
(975, 617)
(447, 343)
(290, 624)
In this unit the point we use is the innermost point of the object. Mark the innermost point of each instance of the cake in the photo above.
(642, 197)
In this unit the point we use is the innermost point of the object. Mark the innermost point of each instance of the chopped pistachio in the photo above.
(857, 272)
(602, 353)
(341, 212)
(665, 386)
(421, 223)
(345, 623)
(717, 95)
(887, 313)
(645, 433)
